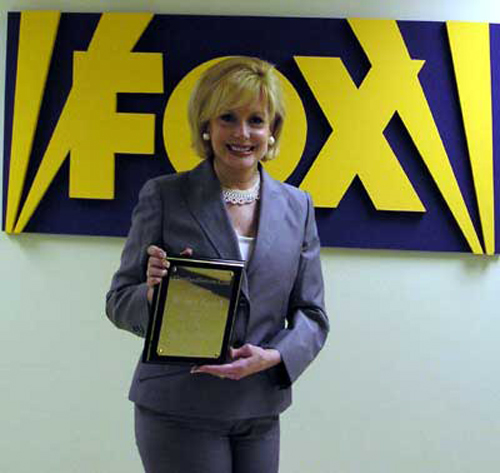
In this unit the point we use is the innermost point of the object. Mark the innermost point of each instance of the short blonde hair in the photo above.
(229, 84)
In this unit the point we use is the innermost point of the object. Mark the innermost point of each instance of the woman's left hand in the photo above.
(247, 360)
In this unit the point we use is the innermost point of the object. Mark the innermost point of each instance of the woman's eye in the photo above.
(257, 120)
(227, 117)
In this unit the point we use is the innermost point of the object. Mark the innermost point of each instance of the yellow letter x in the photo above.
(358, 116)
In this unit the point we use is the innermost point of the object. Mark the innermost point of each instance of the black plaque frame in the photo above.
(159, 316)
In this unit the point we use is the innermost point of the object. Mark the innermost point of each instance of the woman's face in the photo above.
(240, 137)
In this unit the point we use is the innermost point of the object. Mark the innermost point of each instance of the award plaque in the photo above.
(193, 311)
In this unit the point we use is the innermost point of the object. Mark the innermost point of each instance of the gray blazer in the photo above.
(282, 302)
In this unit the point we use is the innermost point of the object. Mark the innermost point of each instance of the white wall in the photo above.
(409, 381)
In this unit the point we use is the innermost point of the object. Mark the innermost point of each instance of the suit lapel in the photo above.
(203, 195)
(271, 206)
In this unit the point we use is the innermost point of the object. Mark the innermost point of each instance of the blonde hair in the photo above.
(229, 84)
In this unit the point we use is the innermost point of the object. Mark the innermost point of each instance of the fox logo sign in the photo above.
(390, 124)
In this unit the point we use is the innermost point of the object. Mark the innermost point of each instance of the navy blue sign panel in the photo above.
(390, 153)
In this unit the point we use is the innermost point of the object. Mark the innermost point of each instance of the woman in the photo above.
(224, 419)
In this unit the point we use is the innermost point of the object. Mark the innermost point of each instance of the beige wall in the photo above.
(409, 382)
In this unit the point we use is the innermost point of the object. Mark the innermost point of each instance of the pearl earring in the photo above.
(271, 141)
(206, 136)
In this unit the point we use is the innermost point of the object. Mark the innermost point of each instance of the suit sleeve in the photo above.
(126, 302)
(308, 324)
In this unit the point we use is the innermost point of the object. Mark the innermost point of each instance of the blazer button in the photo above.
(242, 303)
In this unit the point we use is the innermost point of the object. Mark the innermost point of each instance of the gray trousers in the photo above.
(177, 444)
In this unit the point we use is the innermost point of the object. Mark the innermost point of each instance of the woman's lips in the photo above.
(240, 148)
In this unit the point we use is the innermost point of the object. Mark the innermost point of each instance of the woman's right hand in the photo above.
(158, 266)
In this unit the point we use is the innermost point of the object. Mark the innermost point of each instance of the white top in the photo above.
(246, 245)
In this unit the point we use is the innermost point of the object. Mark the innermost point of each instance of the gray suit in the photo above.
(282, 303)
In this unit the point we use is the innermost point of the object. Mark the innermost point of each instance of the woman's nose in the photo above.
(242, 130)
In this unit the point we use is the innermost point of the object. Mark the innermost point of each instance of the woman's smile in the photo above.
(240, 149)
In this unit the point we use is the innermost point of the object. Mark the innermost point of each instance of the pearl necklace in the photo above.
(242, 197)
